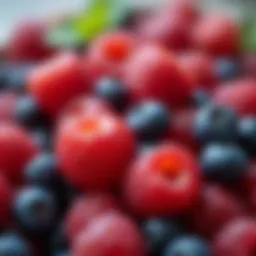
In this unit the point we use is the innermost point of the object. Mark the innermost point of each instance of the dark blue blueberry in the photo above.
(158, 232)
(61, 253)
(35, 210)
(247, 134)
(227, 68)
(2, 77)
(42, 171)
(149, 120)
(113, 92)
(13, 245)
(224, 163)
(42, 138)
(58, 240)
(28, 113)
(215, 124)
(200, 98)
(187, 246)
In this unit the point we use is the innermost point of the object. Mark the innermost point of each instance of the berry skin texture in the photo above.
(216, 35)
(240, 95)
(105, 236)
(86, 209)
(16, 149)
(224, 163)
(94, 151)
(57, 81)
(215, 208)
(163, 181)
(236, 239)
(187, 246)
(7, 105)
(227, 69)
(152, 72)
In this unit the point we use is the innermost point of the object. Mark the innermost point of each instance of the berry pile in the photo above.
(141, 145)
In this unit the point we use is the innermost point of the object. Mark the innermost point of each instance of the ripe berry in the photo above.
(105, 144)
(42, 138)
(224, 163)
(187, 246)
(217, 35)
(163, 181)
(85, 209)
(200, 98)
(57, 81)
(14, 245)
(115, 93)
(227, 69)
(215, 124)
(237, 238)
(7, 105)
(58, 240)
(239, 95)
(158, 232)
(149, 120)
(16, 149)
(105, 236)
(152, 72)
(34, 209)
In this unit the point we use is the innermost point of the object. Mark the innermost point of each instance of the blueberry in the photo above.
(13, 245)
(28, 113)
(247, 134)
(61, 253)
(42, 171)
(113, 92)
(200, 98)
(42, 137)
(58, 240)
(149, 121)
(34, 210)
(227, 68)
(187, 246)
(158, 232)
(215, 124)
(224, 163)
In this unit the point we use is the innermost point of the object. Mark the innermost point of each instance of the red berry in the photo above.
(163, 181)
(7, 105)
(217, 35)
(109, 52)
(94, 150)
(249, 63)
(28, 42)
(238, 238)
(85, 209)
(215, 208)
(152, 72)
(239, 95)
(110, 234)
(57, 81)
(16, 149)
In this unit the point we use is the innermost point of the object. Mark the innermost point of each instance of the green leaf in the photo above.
(248, 34)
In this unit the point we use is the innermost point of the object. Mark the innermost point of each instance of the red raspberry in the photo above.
(7, 105)
(215, 208)
(85, 209)
(238, 238)
(239, 95)
(249, 63)
(28, 42)
(153, 72)
(57, 81)
(217, 35)
(108, 52)
(163, 181)
(16, 149)
(94, 150)
(201, 67)
(110, 234)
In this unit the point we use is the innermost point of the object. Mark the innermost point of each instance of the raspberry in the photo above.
(105, 236)
(94, 150)
(163, 181)
(57, 81)
(85, 209)
(152, 72)
(7, 105)
(16, 149)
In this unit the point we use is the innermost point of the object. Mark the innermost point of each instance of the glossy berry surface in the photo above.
(227, 69)
(200, 98)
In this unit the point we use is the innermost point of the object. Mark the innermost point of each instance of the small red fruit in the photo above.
(217, 35)
(57, 81)
(163, 181)
(110, 234)
(94, 150)
(85, 209)
(16, 149)
(152, 72)
(7, 105)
